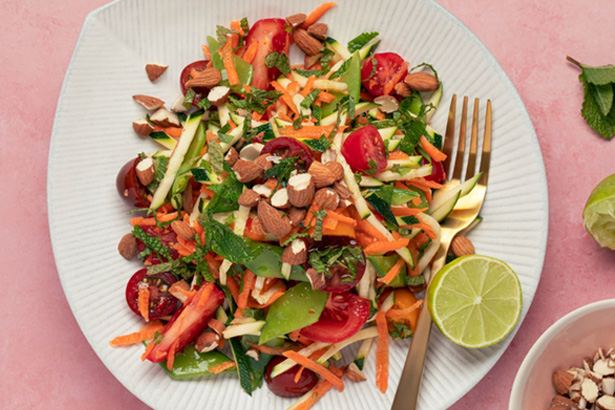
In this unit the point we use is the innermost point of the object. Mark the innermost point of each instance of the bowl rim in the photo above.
(539, 346)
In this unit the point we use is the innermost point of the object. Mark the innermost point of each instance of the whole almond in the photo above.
(322, 175)
(296, 19)
(183, 229)
(354, 374)
(327, 198)
(272, 220)
(317, 280)
(296, 215)
(188, 200)
(142, 127)
(165, 118)
(231, 156)
(248, 198)
(150, 103)
(561, 381)
(154, 71)
(306, 43)
(295, 253)
(403, 90)
(128, 246)
(218, 95)
(563, 401)
(342, 190)
(145, 171)
(318, 30)
(422, 82)
(462, 246)
(257, 227)
(337, 169)
(247, 171)
(264, 162)
(208, 78)
(301, 190)
(280, 199)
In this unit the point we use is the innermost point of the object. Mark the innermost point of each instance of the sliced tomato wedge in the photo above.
(161, 302)
(388, 66)
(437, 174)
(289, 147)
(271, 35)
(344, 315)
(364, 150)
(188, 323)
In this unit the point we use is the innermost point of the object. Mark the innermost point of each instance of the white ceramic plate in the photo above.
(92, 138)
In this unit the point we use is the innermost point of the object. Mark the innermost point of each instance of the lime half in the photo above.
(599, 213)
(475, 300)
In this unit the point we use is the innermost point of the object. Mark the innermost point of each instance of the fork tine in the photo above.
(473, 143)
(485, 161)
(450, 133)
(461, 147)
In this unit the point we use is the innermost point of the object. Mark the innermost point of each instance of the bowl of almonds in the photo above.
(572, 365)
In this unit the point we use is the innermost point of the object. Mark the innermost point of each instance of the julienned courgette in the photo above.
(359, 108)
(188, 133)
(445, 200)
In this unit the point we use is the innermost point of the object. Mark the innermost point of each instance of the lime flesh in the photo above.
(599, 213)
(475, 300)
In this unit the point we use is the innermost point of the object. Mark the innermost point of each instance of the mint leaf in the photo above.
(604, 125)
(245, 26)
(603, 94)
(279, 61)
(293, 237)
(223, 241)
(319, 145)
(282, 170)
(308, 73)
(189, 98)
(341, 71)
(362, 39)
(216, 157)
(310, 98)
(320, 216)
(153, 243)
(599, 75)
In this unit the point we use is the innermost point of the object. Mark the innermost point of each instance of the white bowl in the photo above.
(569, 340)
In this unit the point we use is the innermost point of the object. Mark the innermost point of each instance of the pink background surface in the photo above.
(46, 361)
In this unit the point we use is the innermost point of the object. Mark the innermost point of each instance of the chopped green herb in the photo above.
(293, 237)
(189, 98)
(310, 98)
(279, 61)
(320, 216)
(223, 241)
(308, 73)
(256, 100)
(244, 25)
(226, 138)
(317, 113)
(361, 40)
(282, 170)
(204, 104)
(154, 244)
(342, 70)
(216, 157)
(401, 331)
(319, 145)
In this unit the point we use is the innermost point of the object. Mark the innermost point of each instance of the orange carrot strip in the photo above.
(433, 152)
(233, 287)
(250, 52)
(284, 117)
(309, 215)
(147, 332)
(143, 301)
(171, 355)
(273, 351)
(226, 52)
(398, 155)
(219, 368)
(309, 86)
(427, 229)
(388, 87)
(248, 283)
(148, 350)
(382, 352)
(285, 96)
(316, 368)
(325, 97)
(329, 223)
(150, 221)
(298, 374)
(314, 16)
(208, 192)
(341, 218)
(364, 239)
(424, 183)
(175, 132)
(403, 313)
(206, 51)
(403, 211)
(293, 88)
(307, 131)
(393, 272)
(385, 246)
(294, 335)
(380, 115)
(236, 25)
(371, 230)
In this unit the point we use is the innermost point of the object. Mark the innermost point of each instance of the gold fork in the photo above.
(465, 211)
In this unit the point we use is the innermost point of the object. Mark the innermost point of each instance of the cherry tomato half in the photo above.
(387, 67)
(271, 35)
(338, 278)
(161, 302)
(198, 66)
(284, 384)
(289, 147)
(437, 173)
(364, 150)
(344, 315)
(131, 190)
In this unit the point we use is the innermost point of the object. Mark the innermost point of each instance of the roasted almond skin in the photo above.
(208, 78)
(272, 220)
(128, 246)
(422, 82)
(154, 71)
(184, 230)
(462, 246)
(306, 43)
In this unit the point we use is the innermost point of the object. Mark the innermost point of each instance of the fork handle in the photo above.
(407, 395)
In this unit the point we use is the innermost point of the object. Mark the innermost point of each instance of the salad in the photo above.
(292, 210)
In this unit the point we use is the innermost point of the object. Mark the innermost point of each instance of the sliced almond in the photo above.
(165, 118)
(248, 198)
(403, 90)
(247, 171)
(128, 246)
(560, 400)
(154, 71)
(251, 151)
(263, 190)
(301, 190)
(263, 161)
(231, 156)
(296, 19)
(253, 353)
(179, 290)
(145, 170)
(318, 30)
(216, 326)
(280, 199)
(178, 105)
(608, 386)
(342, 190)
(218, 95)
(142, 127)
(206, 342)
(295, 253)
(601, 367)
(306, 43)
(354, 374)
(208, 78)
(589, 390)
(422, 82)
(388, 103)
(183, 229)
(606, 402)
(327, 198)
(317, 280)
(150, 103)
(272, 220)
(323, 176)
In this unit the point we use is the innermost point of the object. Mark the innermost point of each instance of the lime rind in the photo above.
(475, 301)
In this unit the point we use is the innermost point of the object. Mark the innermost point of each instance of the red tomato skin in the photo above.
(195, 315)
(284, 384)
(272, 36)
(437, 174)
(363, 145)
(329, 328)
(388, 64)
(164, 304)
(290, 147)
(129, 187)
(199, 65)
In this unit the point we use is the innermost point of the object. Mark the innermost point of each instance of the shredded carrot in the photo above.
(151, 221)
(393, 272)
(233, 287)
(309, 215)
(226, 52)
(364, 239)
(314, 16)
(147, 332)
(236, 25)
(309, 86)
(382, 352)
(329, 223)
(316, 368)
(341, 218)
(403, 313)
(404, 211)
(325, 97)
(308, 131)
(148, 350)
(175, 132)
(270, 350)
(171, 355)
(293, 88)
(371, 230)
(385, 246)
(427, 229)
(380, 115)
(424, 183)
(250, 52)
(208, 192)
(284, 117)
(398, 155)
(248, 283)
(219, 368)
(286, 97)
(294, 335)
(143, 300)
(433, 152)
(388, 87)
(206, 51)
(299, 373)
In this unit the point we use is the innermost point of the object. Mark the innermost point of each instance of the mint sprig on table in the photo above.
(598, 108)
